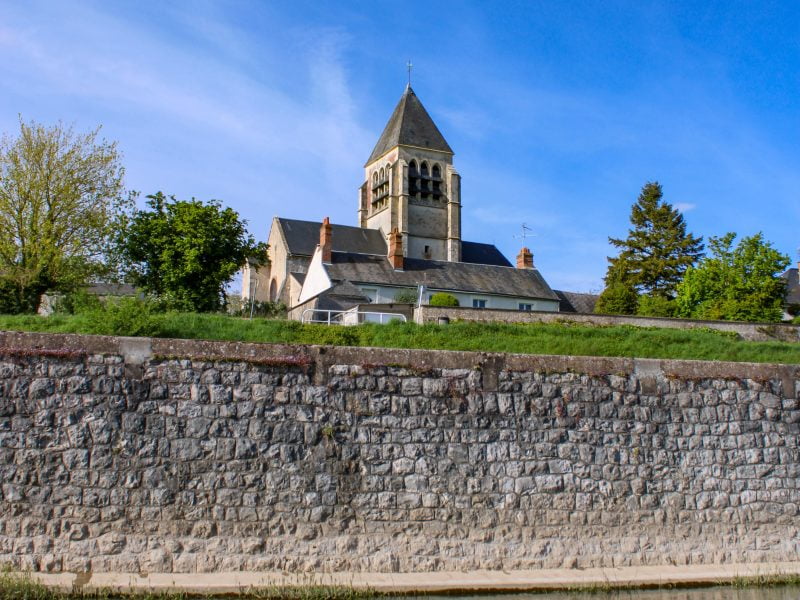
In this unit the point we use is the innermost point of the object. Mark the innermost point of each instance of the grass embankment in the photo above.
(536, 338)
(23, 587)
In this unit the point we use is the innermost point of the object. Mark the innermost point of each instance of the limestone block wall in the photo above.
(138, 455)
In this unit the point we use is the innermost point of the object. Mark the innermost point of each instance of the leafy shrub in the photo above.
(240, 307)
(443, 299)
(655, 306)
(78, 301)
(617, 299)
(125, 316)
(406, 297)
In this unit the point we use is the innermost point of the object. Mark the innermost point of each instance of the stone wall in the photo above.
(138, 455)
(754, 332)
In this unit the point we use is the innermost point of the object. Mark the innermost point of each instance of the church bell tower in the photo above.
(410, 184)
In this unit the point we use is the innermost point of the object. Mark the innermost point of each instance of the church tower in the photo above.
(410, 184)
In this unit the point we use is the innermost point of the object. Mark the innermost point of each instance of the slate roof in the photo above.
(792, 286)
(302, 238)
(440, 275)
(409, 125)
(483, 254)
(342, 296)
(576, 302)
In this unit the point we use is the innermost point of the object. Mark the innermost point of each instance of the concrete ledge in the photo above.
(438, 582)
(139, 350)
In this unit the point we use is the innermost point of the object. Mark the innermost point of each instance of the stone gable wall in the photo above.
(138, 455)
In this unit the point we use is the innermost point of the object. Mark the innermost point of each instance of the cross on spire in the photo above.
(409, 66)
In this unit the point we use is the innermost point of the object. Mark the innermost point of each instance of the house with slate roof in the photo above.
(408, 238)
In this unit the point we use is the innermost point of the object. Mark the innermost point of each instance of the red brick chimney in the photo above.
(525, 259)
(396, 249)
(326, 240)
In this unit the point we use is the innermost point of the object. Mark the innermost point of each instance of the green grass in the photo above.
(22, 587)
(535, 338)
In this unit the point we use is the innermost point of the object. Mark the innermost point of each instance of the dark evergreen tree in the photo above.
(658, 250)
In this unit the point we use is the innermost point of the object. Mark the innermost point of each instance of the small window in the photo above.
(476, 303)
(525, 307)
(424, 169)
(427, 252)
(437, 172)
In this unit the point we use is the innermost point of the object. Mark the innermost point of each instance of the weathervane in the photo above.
(526, 233)
(409, 66)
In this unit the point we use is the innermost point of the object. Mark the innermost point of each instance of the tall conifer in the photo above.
(658, 250)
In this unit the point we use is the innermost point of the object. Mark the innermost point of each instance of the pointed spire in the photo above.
(410, 125)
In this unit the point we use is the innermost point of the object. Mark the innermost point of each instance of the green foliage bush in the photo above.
(617, 299)
(245, 308)
(78, 301)
(406, 297)
(443, 299)
(124, 316)
(655, 306)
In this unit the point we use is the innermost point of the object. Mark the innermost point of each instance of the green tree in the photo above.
(737, 284)
(658, 249)
(185, 251)
(60, 194)
(619, 296)
(443, 299)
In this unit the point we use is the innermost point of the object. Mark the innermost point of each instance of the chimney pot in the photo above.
(326, 240)
(525, 259)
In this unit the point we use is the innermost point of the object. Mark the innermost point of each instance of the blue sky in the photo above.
(558, 112)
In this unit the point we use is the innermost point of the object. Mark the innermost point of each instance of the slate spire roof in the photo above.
(409, 125)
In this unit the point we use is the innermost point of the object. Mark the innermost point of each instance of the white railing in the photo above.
(348, 317)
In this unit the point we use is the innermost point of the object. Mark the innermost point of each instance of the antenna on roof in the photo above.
(526, 233)
(409, 66)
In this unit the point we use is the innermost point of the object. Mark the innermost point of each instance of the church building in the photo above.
(408, 235)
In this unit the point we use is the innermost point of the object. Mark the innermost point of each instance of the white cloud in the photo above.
(684, 207)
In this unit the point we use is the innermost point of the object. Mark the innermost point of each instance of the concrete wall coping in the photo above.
(315, 358)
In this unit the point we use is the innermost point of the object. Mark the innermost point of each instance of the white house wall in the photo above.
(317, 280)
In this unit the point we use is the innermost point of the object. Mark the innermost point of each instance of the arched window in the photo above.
(424, 169)
(375, 178)
(413, 178)
(382, 175)
(273, 290)
(437, 182)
